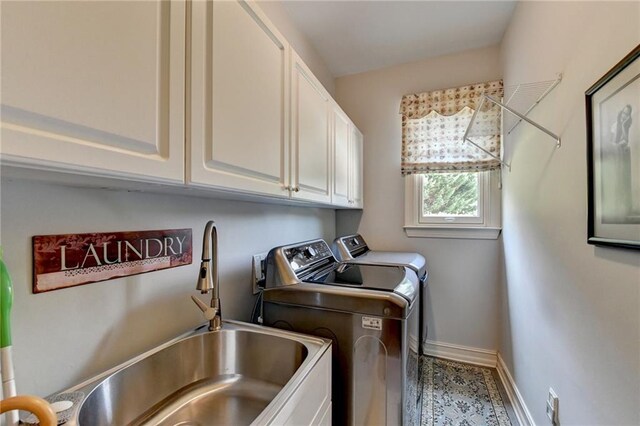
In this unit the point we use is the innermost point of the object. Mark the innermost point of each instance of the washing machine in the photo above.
(371, 315)
(354, 249)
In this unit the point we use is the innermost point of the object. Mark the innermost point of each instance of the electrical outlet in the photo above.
(257, 274)
(552, 407)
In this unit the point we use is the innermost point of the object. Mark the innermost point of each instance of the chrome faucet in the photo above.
(208, 277)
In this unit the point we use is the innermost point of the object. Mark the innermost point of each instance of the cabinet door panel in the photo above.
(239, 99)
(340, 158)
(356, 165)
(310, 135)
(96, 86)
(309, 402)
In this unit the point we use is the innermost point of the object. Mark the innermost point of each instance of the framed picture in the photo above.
(613, 155)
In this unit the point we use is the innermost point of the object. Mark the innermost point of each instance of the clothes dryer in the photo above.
(354, 249)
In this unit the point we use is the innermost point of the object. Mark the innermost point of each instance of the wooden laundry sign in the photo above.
(61, 261)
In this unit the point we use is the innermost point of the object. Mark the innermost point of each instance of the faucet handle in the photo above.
(208, 311)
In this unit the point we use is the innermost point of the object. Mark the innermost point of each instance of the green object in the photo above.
(6, 300)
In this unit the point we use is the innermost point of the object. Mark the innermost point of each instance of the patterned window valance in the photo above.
(433, 127)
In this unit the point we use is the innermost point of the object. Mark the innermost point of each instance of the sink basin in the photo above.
(228, 377)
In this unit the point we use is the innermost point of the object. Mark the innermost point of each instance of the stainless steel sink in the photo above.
(235, 376)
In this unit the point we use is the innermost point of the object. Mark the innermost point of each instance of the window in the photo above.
(453, 205)
(452, 173)
(451, 198)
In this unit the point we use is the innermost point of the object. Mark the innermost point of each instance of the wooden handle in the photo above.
(34, 404)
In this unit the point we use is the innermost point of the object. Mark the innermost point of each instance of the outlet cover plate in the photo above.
(257, 263)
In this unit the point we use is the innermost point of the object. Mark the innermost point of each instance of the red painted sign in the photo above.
(61, 261)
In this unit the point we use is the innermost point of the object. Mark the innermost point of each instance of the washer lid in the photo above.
(371, 277)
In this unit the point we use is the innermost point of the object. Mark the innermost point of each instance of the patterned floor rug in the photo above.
(457, 394)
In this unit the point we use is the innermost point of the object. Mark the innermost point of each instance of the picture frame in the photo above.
(613, 156)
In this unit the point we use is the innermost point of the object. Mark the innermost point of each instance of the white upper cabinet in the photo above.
(138, 90)
(347, 160)
(94, 87)
(310, 143)
(239, 100)
(356, 165)
(340, 134)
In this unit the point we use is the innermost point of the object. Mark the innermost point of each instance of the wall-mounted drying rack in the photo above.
(522, 97)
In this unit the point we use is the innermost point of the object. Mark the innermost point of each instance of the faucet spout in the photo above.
(208, 275)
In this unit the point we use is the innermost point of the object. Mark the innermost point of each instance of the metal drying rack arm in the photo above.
(466, 136)
(548, 90)
(522, 117)
(525, 118)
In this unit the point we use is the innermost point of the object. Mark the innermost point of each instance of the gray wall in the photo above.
(63, 336)
(464, 274)
(572, 310)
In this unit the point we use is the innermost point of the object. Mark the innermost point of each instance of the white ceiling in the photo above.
(357, 36)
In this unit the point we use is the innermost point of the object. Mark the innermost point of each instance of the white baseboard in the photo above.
(520, 408)
(477, 356)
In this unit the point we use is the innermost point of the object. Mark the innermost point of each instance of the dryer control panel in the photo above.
(354, 243)
(349, 247)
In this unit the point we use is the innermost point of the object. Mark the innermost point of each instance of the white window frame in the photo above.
(487, 226)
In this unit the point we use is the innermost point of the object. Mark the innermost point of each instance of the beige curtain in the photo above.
(434, 124)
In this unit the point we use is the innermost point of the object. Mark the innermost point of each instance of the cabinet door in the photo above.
(340, 132)
(356, 168)
(94, 87)
(310, 148)
(309, 403)
(239, 99)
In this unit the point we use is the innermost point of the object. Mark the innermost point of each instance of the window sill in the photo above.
(459, 232)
